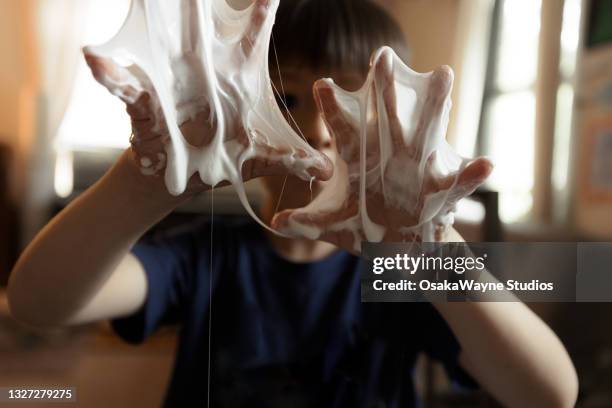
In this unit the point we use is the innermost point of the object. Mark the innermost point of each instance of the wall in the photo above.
(592, 208)
(18, 74)
(455, 33)
(593, 110)
(430, 29)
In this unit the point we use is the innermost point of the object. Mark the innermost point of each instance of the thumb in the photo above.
(281, 222)
(475, 174)
(298, 223)
(118, 80)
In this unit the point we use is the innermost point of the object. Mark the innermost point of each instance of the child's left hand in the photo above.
(340, 223)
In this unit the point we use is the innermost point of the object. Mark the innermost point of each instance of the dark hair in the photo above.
(331, 34)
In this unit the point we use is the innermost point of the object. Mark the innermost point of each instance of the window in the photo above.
(508, 122)
(94, 119)
(509, 106)
(565, 101)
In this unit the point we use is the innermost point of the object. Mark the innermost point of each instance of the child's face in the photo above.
(297, 82)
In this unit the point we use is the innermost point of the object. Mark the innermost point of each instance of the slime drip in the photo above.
(390, 147)
(204, 56)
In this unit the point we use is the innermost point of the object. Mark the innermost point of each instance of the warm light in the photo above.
(570, 35)
(470, 211)
(64, 173)
(511, 122)
(565, 96)
(518, 46)
(510, 114)
(94, 117)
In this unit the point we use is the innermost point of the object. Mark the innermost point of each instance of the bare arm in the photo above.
(511, 352)
(78, 268)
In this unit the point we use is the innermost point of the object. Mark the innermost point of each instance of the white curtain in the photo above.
(471, 51)
(60, 25)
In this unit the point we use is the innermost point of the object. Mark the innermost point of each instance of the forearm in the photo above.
(512, 353)
(78, 250)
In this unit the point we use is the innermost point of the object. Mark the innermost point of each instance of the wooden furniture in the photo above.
(8, 217)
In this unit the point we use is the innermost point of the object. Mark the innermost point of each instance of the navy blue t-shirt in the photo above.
(283, 334)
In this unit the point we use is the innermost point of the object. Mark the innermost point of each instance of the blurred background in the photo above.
(533, 92)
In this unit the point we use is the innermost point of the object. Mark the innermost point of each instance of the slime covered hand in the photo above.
(194, 74)
(395, 177)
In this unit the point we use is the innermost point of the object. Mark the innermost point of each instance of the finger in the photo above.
(259, 15)
(270, 161)
(281, 221)
(289, 221)
(260, 167)
(433, 184)
(144, 124)
(322, 169)
(312, 226)
(472, 176)
(127, 85)
(112, 77)
(385, 81)
(322, 220)
(440, 232)
(345, 133)
(140, 110)
(101, 68)
(196, 185)
(440, 86)
(200, 130)
(190, 38)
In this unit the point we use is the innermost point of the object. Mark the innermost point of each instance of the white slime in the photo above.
(204, 55)
(192, 54)
(401, 143)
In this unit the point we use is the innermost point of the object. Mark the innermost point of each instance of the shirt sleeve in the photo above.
(170, 263)
(440, 343)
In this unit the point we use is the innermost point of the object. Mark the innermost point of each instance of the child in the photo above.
(286, 324)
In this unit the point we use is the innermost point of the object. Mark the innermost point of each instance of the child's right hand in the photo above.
(150, 134)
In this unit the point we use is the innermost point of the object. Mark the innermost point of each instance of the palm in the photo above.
(395, 206)
(198, 127)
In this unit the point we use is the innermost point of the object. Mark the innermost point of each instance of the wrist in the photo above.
(147, 190)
